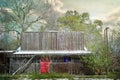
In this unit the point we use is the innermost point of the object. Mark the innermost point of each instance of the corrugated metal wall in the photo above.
(52, 41)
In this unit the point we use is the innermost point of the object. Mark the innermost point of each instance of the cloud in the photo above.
(114, 15)
(58, 6)
(113, 18)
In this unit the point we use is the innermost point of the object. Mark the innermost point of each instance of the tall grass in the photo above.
(50, 76)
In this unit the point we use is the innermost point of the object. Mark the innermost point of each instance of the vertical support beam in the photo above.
(10, 65)
(106, 45)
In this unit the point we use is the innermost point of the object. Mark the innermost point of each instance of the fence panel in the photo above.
(52, 41)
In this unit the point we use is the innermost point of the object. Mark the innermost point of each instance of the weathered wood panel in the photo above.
(53, 41)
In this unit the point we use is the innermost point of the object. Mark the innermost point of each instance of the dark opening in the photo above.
(4, 63)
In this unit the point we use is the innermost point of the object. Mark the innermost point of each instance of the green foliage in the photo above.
(98, 22)
(74, 21)
(77, 22)
(50, 76)
(11, 23)
(100, 60)
(19, 16)
(35, 76)
(7, 42)
(115, 75)
(5, 77)
(15, 17)
(93, 76)
(4, 3)
(114, 42)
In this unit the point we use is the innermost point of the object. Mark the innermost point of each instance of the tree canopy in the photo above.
(73, 21)
(18, 16)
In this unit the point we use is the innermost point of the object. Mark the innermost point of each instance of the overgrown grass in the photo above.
(114, 75)
(50, 76)
(91, 76)
(5, 77)
(10, 77)
(33, 76)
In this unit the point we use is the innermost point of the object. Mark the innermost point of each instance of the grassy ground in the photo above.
(34, 76)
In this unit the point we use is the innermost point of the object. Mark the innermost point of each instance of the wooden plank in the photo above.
(49, 40)
(74, 40)
(79, 40)
(82, 41)
(33, 40)
(66, 35)
(44, 43)
(36, 41)
(61, 41)
(28, 39)
(24, 41)
(23, 46)
(68, 41)
(40, 40)
(53, 41)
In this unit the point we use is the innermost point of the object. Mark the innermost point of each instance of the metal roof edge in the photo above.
(54, 52)
(7, 51)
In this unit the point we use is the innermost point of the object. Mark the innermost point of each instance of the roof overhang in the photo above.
(55, 52)
(7, 51)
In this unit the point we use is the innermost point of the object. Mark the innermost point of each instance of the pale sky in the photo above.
(96, 8)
